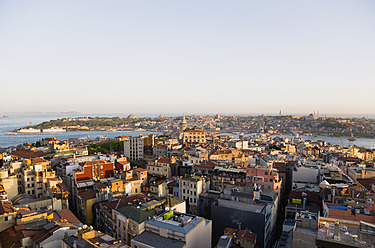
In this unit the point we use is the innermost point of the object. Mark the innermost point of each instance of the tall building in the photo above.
(133, 148)
(183, 123)
(256, 211)
(190, 188)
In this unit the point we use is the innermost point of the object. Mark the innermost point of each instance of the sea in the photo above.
(13, 122)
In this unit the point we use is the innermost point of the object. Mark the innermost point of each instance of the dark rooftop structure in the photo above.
(153, 240)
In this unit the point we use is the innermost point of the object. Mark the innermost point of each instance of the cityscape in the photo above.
(189, 181)
(187, 124)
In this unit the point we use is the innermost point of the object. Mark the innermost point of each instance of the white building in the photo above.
(180, 230)
(133, 148)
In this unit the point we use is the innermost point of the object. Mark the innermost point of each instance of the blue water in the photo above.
(18, 121)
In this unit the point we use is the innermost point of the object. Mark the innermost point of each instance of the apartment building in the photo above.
(190, 188)
(194, 135)
(265, 177)
(256, 210)
(129, 221)
(175, 230)
(133, 148)
(161, 166)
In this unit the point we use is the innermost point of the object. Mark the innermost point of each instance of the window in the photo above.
(269, 187)
(183, 191)
(266, 173)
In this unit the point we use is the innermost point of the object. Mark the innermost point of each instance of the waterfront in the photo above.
(18, 121)
(342, 141)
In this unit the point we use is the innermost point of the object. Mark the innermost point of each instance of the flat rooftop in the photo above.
(155, 240)
(256, 207)
(349, 233)
(176, 223)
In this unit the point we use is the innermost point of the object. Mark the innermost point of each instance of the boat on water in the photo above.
(3, 116)
(53, 130)
(29, 130)
(11, 133)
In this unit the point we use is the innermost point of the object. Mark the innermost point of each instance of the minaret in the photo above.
(280, 112)
(183, 123)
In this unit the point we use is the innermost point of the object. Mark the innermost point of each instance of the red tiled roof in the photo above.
(244, 234)
(86, 195)
(366, 182)
(25, 211)
(40, 236)
(10, 238)
(164, 160)
(5, 207)
(122, 162)
(19, 227)
(69, 216)
(28, 153)
(204, 166)
(38, 160)
(221, 152)
(230, 231)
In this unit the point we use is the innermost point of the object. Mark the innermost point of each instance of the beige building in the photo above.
(190, 188)
(141, 174)
(161, 166)
(136, 186)
(7, 215)
(194, 135)
(361, 173)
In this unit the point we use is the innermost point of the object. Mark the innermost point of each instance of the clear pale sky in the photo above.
(188, 56)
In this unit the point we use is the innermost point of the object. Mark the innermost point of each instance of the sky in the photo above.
(197, 56)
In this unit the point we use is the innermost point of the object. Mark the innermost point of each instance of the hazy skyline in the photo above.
(192, 56)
